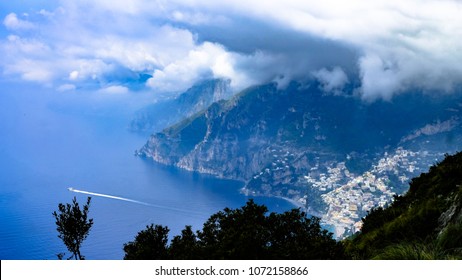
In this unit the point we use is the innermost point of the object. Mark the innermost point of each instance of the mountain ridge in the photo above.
(313, 148)
(164, 113)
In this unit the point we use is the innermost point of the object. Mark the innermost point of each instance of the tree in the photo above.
(185, 246)
(149, 244)
(236, 233)
(293, 235)
(73, 226)
(248, 232)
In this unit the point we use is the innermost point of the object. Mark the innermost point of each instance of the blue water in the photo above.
(51, 141)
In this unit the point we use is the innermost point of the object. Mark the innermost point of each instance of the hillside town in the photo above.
(348, 197)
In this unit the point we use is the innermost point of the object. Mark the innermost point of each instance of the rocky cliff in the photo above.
(334, 155)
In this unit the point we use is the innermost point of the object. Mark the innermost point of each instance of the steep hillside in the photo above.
(164, 113)
(333, 155)
(425, 223)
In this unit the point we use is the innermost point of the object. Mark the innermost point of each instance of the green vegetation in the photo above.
(73, 226)
(424, 223)
(245, 233)
(150, 243)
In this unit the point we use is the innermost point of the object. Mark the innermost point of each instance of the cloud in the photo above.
(205, 61)
(198, 18)
(12, 21)
(89, 57)
(33, 71)
(176, 57)
(16, 45)
(332, 81)
(390, 46)
(114, 90)
(66, 87)
(379, 78)
(400, 45)
(181, 73)
(74, 75)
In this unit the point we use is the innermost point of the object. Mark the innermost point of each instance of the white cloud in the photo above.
(32, 71)
(66, 87)
(74, 75)
(207, 60)
(198, 18)
(398, 45)
(418, 39)
(173, 55)
(12, 21)
(114, 90)
(332, 81)
(379, 78)
(25, 47)
(181, 73)
(45, 13)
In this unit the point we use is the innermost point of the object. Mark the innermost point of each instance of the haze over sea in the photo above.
(51, 141)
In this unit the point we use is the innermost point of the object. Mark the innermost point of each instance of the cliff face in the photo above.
(232, 139)
(334, 155)
(164, 113)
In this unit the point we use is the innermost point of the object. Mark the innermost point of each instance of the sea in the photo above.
(51, 141)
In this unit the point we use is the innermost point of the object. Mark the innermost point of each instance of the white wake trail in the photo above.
(110, 196)
(132, 200)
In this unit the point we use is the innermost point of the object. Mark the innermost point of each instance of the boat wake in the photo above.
(128, 200)
(109, 196)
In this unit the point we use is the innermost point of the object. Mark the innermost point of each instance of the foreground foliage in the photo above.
(245, 233)
(425, 223)
(73, 226)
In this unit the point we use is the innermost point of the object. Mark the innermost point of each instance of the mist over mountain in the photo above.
(155, 117)
(334, 155)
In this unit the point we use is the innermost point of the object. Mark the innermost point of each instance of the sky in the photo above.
(377, 48)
